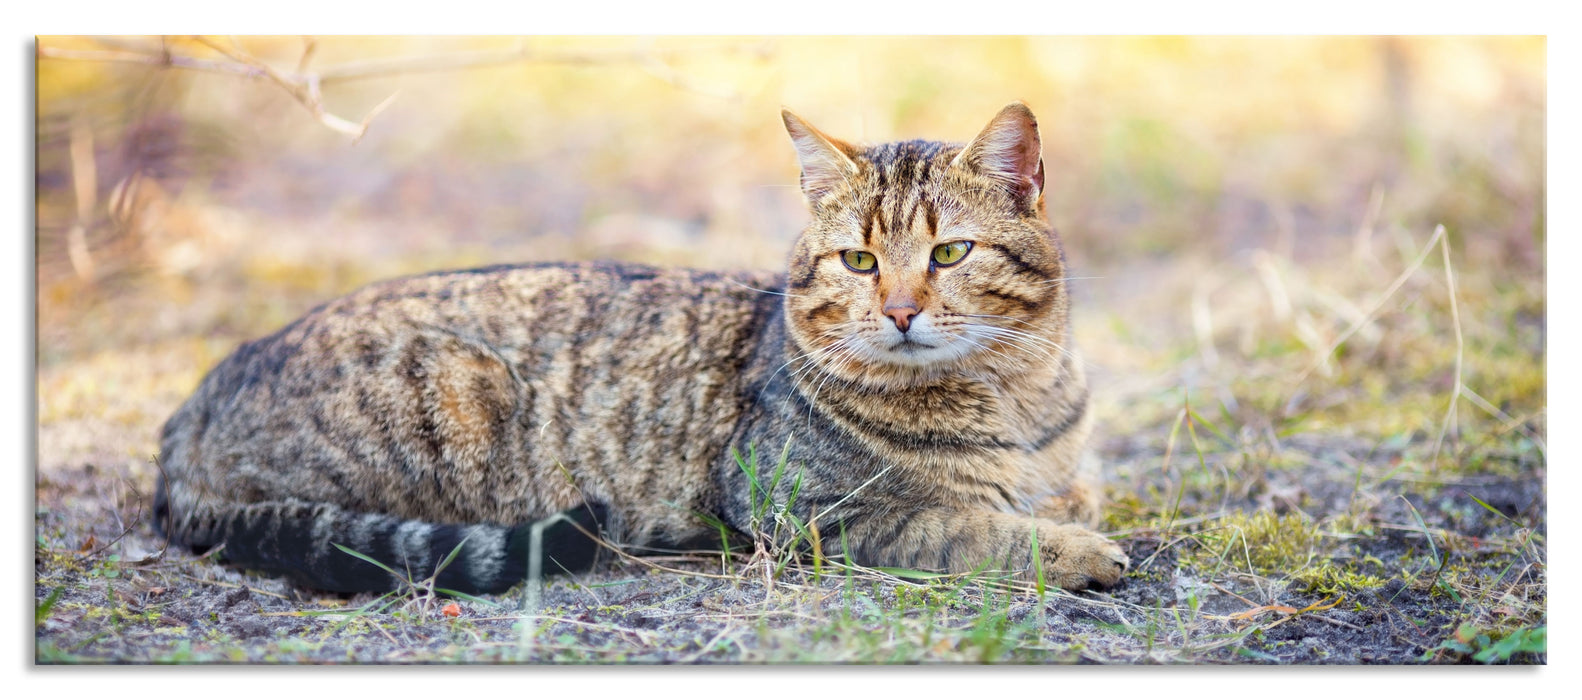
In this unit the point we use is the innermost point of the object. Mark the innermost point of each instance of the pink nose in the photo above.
(902, 315)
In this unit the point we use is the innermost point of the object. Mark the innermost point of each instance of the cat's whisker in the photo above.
(815, 357)
(1033, 351)
(967, 339)
(1021, 343)
(1058, 280)
(1025, 342)
(765, 291)
(831, 352)
(1013, 319)
(810, 353)
(812, 402)
(1032, 338)
(820, 355)
(770, 380)
(1028, 324)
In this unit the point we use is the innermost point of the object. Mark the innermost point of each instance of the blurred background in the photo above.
(1251, 217)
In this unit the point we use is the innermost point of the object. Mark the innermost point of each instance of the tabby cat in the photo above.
(915, 368)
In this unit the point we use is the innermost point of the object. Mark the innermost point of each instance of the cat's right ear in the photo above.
(1009, 150)
(826, 161)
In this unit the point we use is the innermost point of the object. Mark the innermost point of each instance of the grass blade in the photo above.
(41, 612)
(365, 558)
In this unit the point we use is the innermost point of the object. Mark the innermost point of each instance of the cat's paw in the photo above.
(1075, 558)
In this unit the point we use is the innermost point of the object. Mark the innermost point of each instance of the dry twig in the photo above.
(1448, 427)
(306, 86)
(1373, 310)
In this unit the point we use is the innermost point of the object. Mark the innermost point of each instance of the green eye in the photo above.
(859, 260)
(951, 253)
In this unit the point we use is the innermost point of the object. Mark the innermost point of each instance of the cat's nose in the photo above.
(902, 315)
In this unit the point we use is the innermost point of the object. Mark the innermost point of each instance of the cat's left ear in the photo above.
(1009, 150)
(826, 161)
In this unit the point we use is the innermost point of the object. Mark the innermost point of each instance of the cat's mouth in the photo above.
(909, 345)
(923, 346)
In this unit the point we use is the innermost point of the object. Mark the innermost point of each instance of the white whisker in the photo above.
(967, 339)
(1034, 338)
(814, 359)
(813, 401)
(809, 354)
(1029, 324)
(1031, 350)
(765, 291)
(1058, 280)
(1026, 342)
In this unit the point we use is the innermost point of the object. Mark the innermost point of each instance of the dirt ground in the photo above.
(167, 607)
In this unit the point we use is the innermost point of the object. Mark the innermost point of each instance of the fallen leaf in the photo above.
(1245, 614)
(1321, 606)
(1285, 609)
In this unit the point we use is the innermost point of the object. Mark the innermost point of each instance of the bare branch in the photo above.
(380, 68)
(305, 86)
(308, 47)
(158, 60)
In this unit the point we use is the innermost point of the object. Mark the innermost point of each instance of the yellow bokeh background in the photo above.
(1181, 172)
(1148, 139)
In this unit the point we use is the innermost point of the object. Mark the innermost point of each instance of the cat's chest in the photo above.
(946, 421)
(970, 443)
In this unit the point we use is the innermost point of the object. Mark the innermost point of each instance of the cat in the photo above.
(913, 367)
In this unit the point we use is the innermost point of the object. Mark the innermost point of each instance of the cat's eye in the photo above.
(951, 253)
(859, 260)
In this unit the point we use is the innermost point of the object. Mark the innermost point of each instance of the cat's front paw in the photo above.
(1075, 558)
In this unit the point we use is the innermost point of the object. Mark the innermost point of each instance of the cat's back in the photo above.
(517, 306)
(453, 395)
(627, 314)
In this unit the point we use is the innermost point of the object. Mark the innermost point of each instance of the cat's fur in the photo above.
(412, 415)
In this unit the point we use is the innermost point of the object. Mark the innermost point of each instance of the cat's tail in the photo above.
(298, 540)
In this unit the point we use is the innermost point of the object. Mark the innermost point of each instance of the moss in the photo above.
(920, 597)
(1331, 579)
(1266, 543)
(1126, 511)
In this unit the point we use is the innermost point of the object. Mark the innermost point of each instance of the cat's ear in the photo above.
(1009, 150)
(826, 161)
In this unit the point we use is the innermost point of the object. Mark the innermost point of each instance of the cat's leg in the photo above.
(1077, 503)
(1073, 493)
(946, 539)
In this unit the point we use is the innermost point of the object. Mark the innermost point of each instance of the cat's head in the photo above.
(923, 257)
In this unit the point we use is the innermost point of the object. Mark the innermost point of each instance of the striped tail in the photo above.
(297, 540)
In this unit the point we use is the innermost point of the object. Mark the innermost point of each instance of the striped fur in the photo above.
(936, 413)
